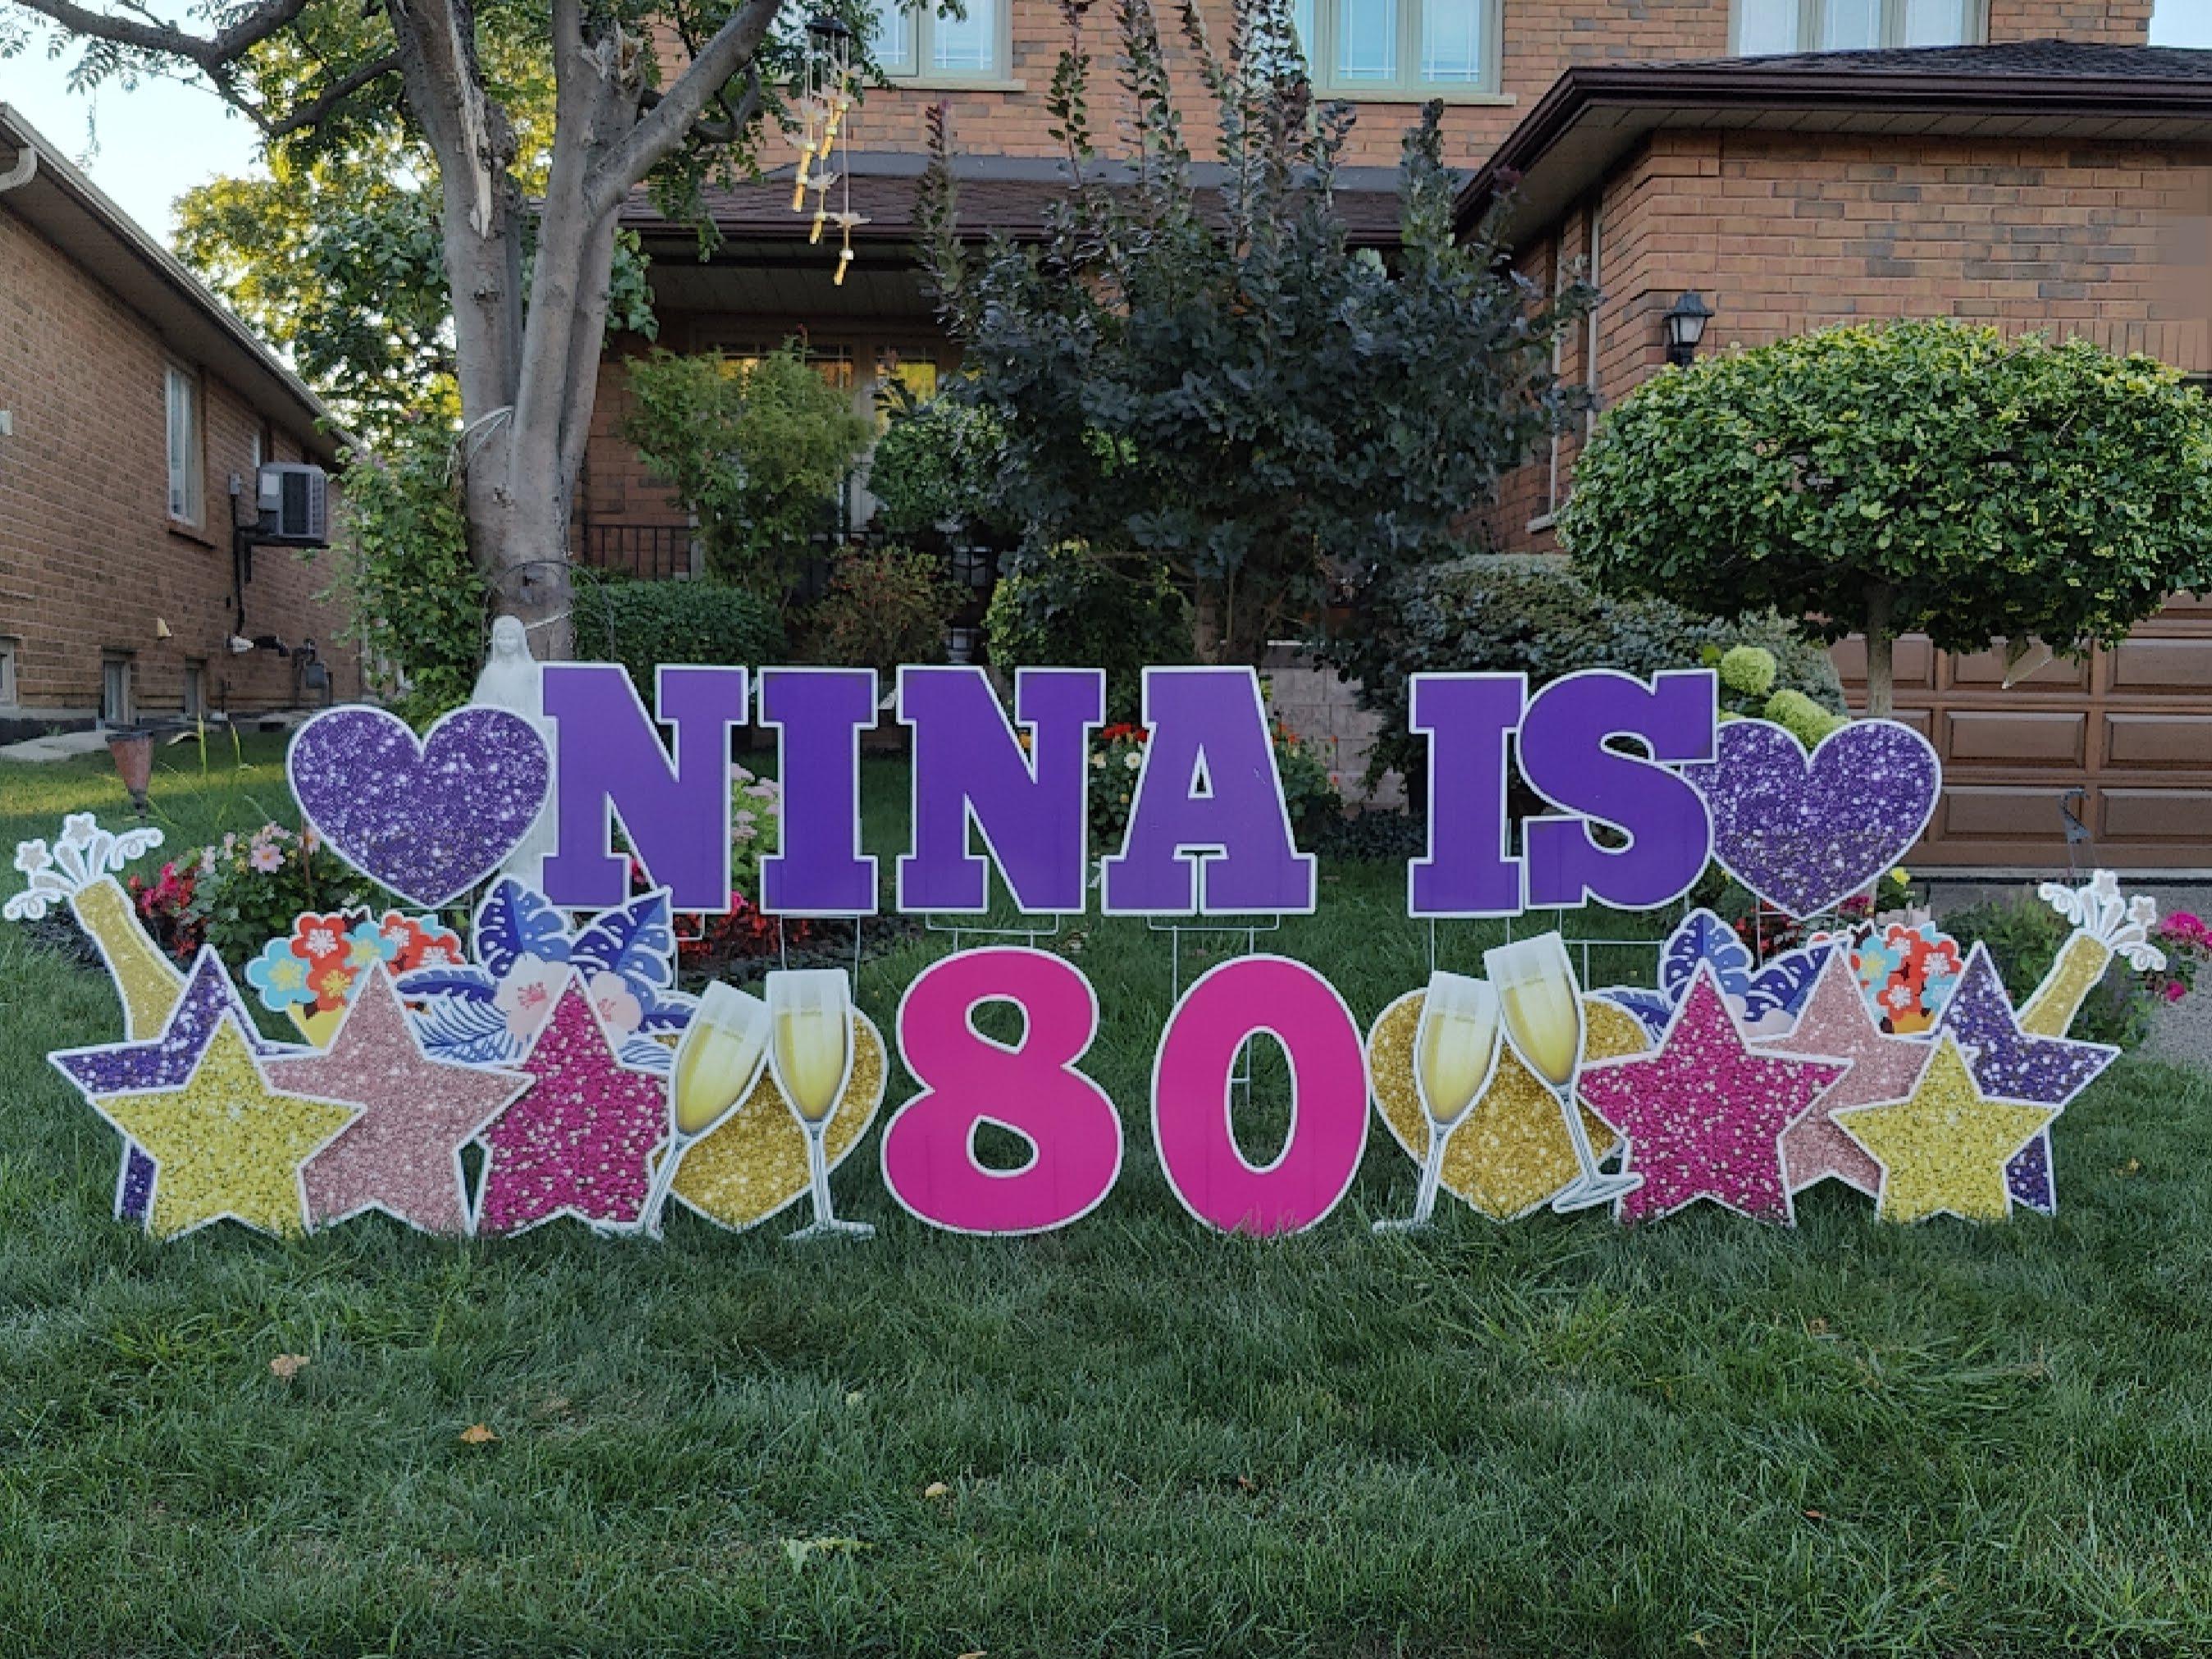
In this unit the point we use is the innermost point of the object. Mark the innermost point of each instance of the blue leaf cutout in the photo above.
(1703, 938)
(645, 1055)
(1782, 984)
(469, 984)
(466, 1032)
(666, 1011)
(514, 921)
(1652, 1009)
(635, 940)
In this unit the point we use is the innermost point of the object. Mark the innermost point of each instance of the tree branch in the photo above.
(307, 114)
(665, 126)
(210, 52)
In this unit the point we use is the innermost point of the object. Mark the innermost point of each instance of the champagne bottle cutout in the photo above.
(79, 870)
(2105, 926)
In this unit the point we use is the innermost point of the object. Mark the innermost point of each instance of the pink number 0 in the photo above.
(1328, 1097)
(1032, 1089)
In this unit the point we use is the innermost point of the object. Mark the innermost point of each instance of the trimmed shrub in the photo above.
(640, 623)
(931, 472)
(885, 606)
(1536, 614)
(1072, 609)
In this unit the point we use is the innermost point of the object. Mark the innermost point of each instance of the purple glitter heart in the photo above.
(429, 819)
(1804, 832)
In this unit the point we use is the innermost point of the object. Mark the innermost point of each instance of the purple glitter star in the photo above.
(429, 818)
(165, 1062)
(2008, 1061)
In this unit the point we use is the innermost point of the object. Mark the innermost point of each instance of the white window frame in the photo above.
(194, 695)
(11, 648)
(1812, 12)
(123, 709)
(920, 24)
(1407, 86)
(186, 449)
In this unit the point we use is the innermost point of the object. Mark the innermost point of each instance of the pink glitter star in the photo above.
(1835, 1026)
(580, 1142)
(403, 1154)
(1705, 1112)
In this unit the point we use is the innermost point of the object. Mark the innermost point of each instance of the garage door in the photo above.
(2130, 728)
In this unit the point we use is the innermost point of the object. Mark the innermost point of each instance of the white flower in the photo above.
(1133, 760)
(1098, 760)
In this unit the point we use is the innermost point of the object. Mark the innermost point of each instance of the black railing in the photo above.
(656, 552)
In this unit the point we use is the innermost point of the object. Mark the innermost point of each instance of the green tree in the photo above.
(526, 337)
(1220, 380)
(755, 447)
(1925, 477)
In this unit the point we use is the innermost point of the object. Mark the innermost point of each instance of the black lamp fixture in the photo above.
(1685, 323)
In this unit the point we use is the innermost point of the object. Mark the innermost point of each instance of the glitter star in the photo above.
(1835, 1024)
(165, 1062)
(227, 1144)
(580, 1143)
(1704, 1112)
(2012, 1064)
(403, 1154)
(1944, 1149)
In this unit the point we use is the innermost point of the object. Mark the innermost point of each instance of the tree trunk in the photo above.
(1881, 637)
(1206, 640)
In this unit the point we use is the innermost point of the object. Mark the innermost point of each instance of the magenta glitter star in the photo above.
(580, 1142)
(1705, 1112)
(403, 1154)
(1835, 1026)
(165, 1062)
(2009, 1063)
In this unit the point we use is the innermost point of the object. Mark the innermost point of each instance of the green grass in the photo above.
(1705, 1437)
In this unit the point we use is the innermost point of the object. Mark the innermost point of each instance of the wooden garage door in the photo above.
(2132, 727)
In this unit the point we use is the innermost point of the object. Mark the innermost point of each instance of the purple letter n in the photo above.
(612, 764)
(968, 766)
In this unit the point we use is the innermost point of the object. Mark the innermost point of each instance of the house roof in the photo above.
(1595, 114)
(1004, 195)
(70, 211)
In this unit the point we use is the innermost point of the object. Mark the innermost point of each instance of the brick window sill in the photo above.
(1449, 97)
(189, 532)
(955, 83)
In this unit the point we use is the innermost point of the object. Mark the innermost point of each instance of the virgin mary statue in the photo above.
(510, 681)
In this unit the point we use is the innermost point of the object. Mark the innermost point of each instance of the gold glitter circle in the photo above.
(1511, 1154)
(753, 1163)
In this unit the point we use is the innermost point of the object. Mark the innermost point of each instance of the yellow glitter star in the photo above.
(228, 1146)
(1943, 1148)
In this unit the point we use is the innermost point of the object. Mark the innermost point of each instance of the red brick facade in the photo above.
(92, 566)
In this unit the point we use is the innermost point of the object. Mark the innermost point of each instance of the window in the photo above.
(8, 650)
(1764, 26)
(1399, 46)
(195, 689)
(918, 41)
(186, 479)
(115, 689)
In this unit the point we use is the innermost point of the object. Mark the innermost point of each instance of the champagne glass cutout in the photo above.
(1542, 1003)
(811, 1054)
(719, 1061)
(1454, 1057)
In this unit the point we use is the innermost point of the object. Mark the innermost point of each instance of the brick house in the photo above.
(2028, 162)
(130, 402)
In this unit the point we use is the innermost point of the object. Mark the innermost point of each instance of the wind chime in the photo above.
(825, 106)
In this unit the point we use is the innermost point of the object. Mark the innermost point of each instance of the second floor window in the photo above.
(921, 41)
(1763, 27)
(1411, 47)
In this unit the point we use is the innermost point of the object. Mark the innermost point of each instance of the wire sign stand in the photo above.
(1240, 1079)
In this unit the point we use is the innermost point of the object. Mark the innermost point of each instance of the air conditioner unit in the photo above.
(294, 505)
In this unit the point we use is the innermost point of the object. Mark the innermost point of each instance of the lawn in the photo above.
(1131, 1437)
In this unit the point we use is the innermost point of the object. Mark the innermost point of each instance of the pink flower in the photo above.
(619, 1011)
(267, 858)
(2175, 990)
(526, 995)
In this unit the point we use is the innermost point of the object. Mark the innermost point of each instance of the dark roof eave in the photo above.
(1726, 87)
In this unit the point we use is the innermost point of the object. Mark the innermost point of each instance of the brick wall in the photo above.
(89, 562)
(1785, 233)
